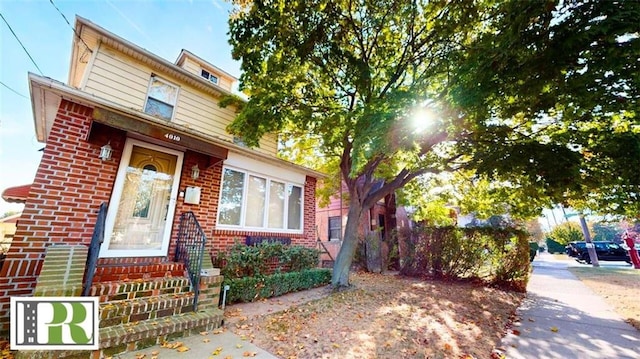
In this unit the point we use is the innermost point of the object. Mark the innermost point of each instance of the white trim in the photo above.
(105, 252)
(89, 67)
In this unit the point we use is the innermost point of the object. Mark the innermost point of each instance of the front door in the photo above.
(143, 202)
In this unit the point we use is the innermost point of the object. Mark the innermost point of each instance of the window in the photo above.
(335, 228)
(161, 98)
(210, 77)
(255, 201)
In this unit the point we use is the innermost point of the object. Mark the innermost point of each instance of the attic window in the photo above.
(210, 77)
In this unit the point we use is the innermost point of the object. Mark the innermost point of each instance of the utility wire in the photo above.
(12, 90)
(68, 23)
(25, 50)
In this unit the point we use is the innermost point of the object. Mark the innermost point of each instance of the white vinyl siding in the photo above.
(121, 79)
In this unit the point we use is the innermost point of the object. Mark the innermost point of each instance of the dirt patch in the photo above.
(618, 286)
(385, 316)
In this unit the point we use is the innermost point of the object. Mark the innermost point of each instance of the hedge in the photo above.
(249, 289)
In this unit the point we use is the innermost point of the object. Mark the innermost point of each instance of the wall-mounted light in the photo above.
(195, 172)
(106, 151)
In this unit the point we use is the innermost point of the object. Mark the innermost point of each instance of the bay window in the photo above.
(255, 201)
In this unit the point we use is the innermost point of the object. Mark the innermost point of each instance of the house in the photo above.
(146, 137)
(378, 224)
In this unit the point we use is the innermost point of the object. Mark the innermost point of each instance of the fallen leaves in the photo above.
(554, 329)
(384, 316)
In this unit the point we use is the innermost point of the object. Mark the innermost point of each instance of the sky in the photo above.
(163, 27)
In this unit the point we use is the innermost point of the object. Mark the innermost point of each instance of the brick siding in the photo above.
(70, 183)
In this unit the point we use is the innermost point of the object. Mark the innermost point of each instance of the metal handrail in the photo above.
(94, 249)
(190, 250)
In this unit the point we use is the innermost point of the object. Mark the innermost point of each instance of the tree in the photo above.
(566, 232)
(558, 81)
(480, 80)
(353, 74)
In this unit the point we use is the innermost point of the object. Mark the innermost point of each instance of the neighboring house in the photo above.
(381, 220)
(147, 137)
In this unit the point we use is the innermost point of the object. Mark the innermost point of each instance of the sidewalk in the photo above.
(563, 318)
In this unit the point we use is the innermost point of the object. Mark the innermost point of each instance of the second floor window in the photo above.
(161, 98)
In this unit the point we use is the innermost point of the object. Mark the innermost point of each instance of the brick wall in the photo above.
(70, 183)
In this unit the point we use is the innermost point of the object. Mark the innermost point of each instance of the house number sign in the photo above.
(172, 137)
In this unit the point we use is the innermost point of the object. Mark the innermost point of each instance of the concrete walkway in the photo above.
(563, 318)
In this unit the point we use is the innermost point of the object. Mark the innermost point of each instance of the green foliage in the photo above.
(498, 256)
(551, 90)
(566, 232)
(249, 289)
(554, 247)
(249, 261)
(606, 232)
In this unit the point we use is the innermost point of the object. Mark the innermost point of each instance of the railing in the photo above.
(190, 250)
(94, 249)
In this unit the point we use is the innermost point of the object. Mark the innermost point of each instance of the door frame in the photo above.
(116, 194)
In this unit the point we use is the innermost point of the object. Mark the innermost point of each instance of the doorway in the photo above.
(142, 205)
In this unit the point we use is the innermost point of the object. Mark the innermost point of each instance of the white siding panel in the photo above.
(191, 66)
(118, 80)
(201, 112)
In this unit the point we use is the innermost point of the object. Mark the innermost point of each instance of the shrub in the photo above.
(265, 258)
(252, 288)
(554, 247)
(497, 256)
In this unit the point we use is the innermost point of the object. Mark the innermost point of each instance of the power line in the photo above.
(12, 90)
(20, 42)
(68, 23)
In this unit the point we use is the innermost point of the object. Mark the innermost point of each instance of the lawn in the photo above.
(387, 316)
(620, 287)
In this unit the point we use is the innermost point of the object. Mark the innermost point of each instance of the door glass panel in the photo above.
(141, 218)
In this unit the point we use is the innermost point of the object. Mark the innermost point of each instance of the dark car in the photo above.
(606, 251)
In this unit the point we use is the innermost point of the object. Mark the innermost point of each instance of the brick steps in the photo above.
(145, 305)
(123, 338)
(124, 289)
(130, 311)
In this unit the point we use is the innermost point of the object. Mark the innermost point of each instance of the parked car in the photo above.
(606, 251)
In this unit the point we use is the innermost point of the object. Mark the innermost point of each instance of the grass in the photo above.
(619, 287)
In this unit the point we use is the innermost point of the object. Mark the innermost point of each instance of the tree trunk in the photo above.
(590, 248)
(342, 265)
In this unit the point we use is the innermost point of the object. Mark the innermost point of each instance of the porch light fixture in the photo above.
(195, 172)
(106, 151)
